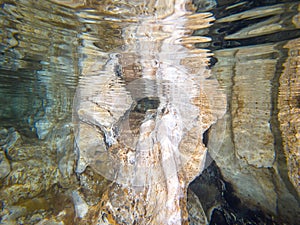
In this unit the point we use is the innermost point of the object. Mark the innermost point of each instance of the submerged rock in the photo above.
(141, 113)
(81, 208)
(29, 183)
(43, 127)
(196, 213)
(27, 180)
(289, 110)
(252, 158)
(9, 138)
(220, 204)
(139, 121)
(4, 166)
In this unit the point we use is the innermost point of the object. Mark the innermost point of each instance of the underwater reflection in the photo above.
(165, 91)
(141, 115)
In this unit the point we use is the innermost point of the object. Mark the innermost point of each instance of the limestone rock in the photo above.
(92, 186)
(43, 127)
(4, 166)
(50, 222)
(9, 216)
(289, 110)
(47, 209)
(251, 95)
(62, 147)
(81, 208)
(139, 122)
(247, 159)
(27, 180)
(239, 139)
(10, 138)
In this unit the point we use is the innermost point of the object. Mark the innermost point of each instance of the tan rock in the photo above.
(152, 103)
(289, 111)
(247, 156)
(251, 106)
(28, 179)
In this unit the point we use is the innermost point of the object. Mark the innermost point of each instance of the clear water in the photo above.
(61, 60)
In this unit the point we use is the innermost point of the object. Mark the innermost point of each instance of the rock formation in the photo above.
(145, 110)
(140, 120)
(289, 110)
(262, 109)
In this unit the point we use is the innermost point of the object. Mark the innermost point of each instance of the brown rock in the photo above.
(247, 155)
(289, 111)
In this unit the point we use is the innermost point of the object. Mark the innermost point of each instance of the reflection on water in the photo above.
(38, 57)
(253, 22)
(156, 160)
(155, 84)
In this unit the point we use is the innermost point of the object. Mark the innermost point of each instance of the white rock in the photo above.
(4, 165)
(42, 127)
(81, 208)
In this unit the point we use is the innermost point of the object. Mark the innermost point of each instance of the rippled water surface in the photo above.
(112, 112)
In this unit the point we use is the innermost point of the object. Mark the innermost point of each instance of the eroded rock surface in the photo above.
(289, 111)
(140, 119)
(142, 110)
(30, 179)
(4, 165)
(256, 65)
(249, 159)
